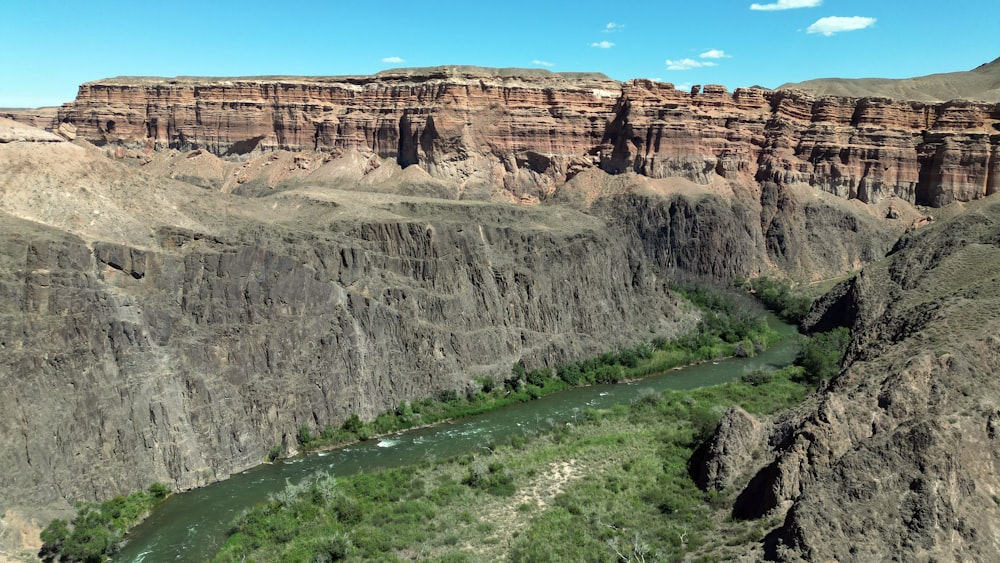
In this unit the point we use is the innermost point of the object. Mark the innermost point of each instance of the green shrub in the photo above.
(493, 478)
(487, 383)
(98, 528)
(449, 396)
(777, 296)
(53, 537)
(304, 435)
(539, 377)
(571, 374)
(758, 376)
(159, 490)
(822, 354)
(353, 423)
(348, 510)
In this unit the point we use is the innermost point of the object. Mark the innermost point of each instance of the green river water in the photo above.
(192, 526)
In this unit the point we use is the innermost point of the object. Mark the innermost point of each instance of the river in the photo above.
(192, 526)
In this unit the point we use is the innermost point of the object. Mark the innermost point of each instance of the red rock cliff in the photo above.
(527, 132)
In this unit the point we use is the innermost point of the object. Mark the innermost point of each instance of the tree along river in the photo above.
(192, 526)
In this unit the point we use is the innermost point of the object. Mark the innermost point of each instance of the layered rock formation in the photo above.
(514, 134)
(897, 458)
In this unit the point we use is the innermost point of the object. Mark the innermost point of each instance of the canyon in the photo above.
(193, 268)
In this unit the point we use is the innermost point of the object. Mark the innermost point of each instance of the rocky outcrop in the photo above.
(39, 118)
(13, 131)
(514, 134)
(896, 459)
(725, 457)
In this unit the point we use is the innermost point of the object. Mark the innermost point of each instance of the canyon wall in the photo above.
(187, 361)
(521, 134)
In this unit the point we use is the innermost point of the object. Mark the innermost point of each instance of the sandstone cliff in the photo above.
(521, 134)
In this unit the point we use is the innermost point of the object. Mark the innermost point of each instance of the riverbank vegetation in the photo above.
(593, 475)
(611, 485)
(611, 482)
(98, 528)
(732, 325)
(778, 297)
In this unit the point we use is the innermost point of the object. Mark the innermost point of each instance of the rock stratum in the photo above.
(211, 263)
(513, 134)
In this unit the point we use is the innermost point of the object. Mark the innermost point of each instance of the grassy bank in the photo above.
(616, 481)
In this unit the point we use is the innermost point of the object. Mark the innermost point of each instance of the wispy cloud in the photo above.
(687, 64)
(715, 54)
(613, 27)
(836, 24)
(603, 44)
(786, 5)
(393, 60)
(542, 63)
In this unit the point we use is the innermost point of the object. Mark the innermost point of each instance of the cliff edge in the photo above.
(513, 134)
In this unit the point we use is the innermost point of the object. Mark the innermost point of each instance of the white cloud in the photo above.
(603, 45)
(715, 54)
(836, 24)
(393, 60)
(786, 5)
(542, 63)
(687, 64)
(612, 27)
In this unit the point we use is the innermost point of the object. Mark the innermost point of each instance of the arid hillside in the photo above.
(979, 84)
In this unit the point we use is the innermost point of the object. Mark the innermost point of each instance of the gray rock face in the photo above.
(896, 459)
(731, 450)
(190, 361)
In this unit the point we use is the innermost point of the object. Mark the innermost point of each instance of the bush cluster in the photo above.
(98, 528)
(778, 296)
(822, 354)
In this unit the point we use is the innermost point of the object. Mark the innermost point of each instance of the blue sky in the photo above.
(49, 47)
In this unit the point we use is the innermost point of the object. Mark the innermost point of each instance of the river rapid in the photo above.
(192, 526)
